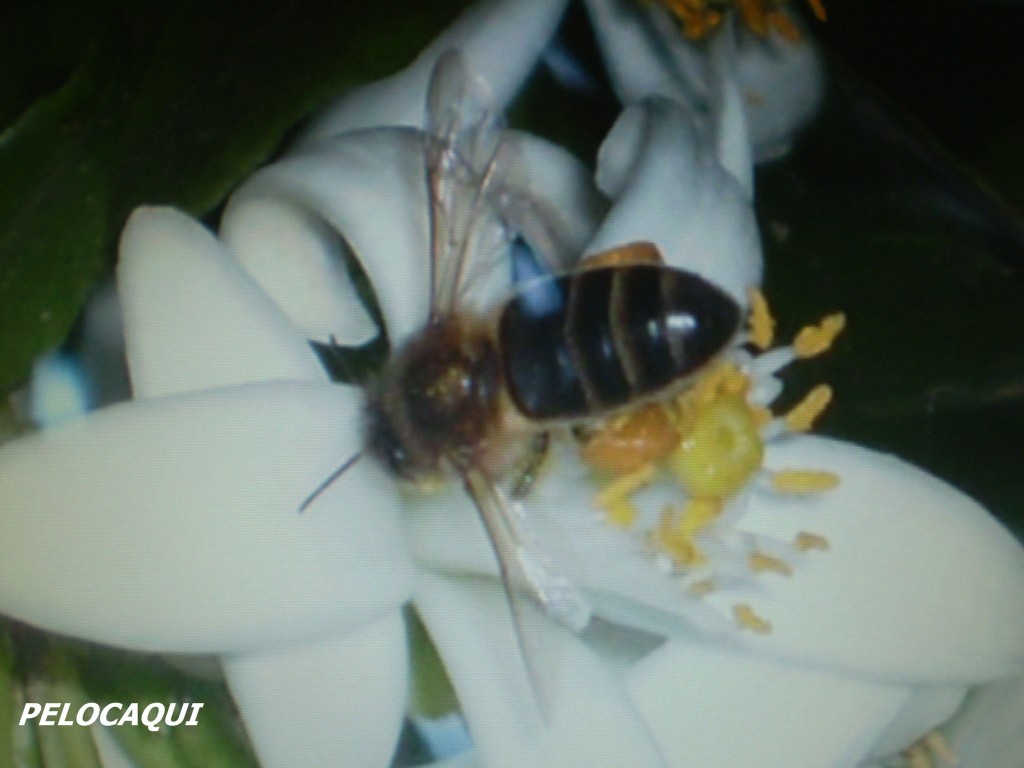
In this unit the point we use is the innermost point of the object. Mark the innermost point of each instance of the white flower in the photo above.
(776, 81)
(170, 523)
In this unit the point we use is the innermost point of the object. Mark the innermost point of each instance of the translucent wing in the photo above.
(475, 188)
(523, 565)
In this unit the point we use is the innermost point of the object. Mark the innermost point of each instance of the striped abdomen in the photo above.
(578, 344)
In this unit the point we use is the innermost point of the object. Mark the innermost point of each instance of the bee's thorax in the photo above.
(436, 400)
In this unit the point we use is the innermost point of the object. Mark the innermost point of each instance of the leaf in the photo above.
(216, 740)
(167, 102)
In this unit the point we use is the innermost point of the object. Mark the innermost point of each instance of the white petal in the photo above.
(732, 137)
(172, 524)
(920, 583)
(669, 188)
(987, 733)
(710, 707)
(501, 41)
(647, 58)
(588, 719)
(370, 186)
(327, 703)
(561, 192)
(110, 752)
(924, 711)
(194, 320)
(784, 84)
(570, 534)
(783, 81)
(464, 760)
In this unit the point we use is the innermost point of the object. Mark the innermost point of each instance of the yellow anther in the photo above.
(697, 515)
(781, 23)
(805, 542)
(747, 619)
(819, 9)
(760, 415)
(621, 512)
(803, 481)
(705, 390)
(611, 499)
(761, 563)
(666, 537)
(755, 15)
(720, 450)
(735, 382)
(801, 418)
(760, 324)
(701, 588)
(676, 531)
(815, 339)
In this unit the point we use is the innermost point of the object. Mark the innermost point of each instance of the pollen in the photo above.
(615, 498)
(805, 542)
(721, 449)
(747, 619)
(628, 443)
(761, 563)
(676, 531)
(803, 481)
(701, 18)
(702, 588)
(760, 324)
(802, 417)
(816, 339)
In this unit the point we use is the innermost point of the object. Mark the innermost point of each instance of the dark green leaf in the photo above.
(167, 102)
(217, 740)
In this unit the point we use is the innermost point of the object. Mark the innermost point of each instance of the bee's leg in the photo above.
(624, 255)
(536, 453)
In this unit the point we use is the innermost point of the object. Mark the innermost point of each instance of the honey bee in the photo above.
(566, 347)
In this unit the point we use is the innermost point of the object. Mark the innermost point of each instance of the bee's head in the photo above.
(386, 442)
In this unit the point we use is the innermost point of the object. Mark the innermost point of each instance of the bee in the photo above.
(566, 347)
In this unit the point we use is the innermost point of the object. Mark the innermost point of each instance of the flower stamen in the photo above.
(761, 324)
(799, 481)
(805, 542)
(763, 563)
(747, 619)
(801, 417)
(813, 340)
(676, 531)
(615, 498)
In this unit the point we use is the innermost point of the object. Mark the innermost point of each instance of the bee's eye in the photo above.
(397, 459)
(384, 444)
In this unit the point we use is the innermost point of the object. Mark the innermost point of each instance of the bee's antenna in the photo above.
(330, 479)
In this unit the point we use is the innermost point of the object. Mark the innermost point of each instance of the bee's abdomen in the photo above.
(578, 344)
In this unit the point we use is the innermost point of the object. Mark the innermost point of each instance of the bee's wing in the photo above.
(473, 183)
(523, 566)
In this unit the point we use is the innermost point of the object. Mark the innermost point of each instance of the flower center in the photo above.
(709, 442)
(720, 451)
